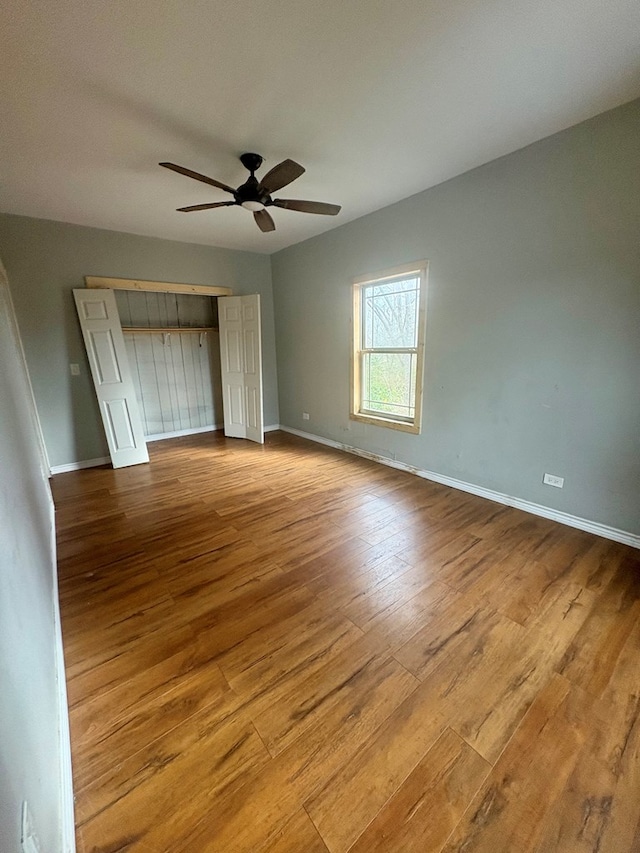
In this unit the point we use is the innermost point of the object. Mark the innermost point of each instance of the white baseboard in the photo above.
(105, 460)
(67, 811)
(77, 466)
(178, 433)
(66, 775)
(623, 536)
(161, 436)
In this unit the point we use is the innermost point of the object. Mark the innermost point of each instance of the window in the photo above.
(388, 347)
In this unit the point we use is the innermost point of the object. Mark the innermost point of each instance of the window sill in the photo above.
(389, 423)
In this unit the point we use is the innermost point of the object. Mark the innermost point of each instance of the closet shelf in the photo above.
(165, 330)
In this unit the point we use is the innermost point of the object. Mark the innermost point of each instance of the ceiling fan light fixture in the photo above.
(253, 205)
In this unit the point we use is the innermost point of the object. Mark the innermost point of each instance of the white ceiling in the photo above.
(378, 99)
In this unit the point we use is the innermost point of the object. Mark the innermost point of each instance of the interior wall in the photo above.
(533, 329)
(45, 260)
(31, 749)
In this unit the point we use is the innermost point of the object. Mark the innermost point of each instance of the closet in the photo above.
(173, 350)
(169, 359)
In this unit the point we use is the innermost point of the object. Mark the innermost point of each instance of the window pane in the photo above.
(388, 383)
(390, 314)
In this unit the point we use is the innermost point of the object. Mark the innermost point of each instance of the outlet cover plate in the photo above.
(553, 480)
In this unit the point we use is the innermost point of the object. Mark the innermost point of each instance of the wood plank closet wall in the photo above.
(176, 372)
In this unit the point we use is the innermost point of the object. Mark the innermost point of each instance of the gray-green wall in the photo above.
(533, 333)
(45, 260)
(33, 750)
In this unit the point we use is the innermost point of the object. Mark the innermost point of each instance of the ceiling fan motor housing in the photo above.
(252, 191)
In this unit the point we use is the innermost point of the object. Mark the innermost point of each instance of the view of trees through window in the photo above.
(388, 349)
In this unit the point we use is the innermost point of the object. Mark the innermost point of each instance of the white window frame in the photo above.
(419, 269)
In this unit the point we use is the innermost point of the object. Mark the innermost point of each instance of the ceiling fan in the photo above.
(255, 195)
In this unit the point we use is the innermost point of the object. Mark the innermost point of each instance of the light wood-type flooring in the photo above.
(291, 649)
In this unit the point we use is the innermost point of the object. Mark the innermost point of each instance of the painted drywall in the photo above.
(533, 331)
(45, 260)
(31, 748)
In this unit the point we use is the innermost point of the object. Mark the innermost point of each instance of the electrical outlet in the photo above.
(305, 416)
(29, 839)
(75, 369)
(553, 480)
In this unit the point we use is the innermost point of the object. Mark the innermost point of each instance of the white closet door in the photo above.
(107, 356)
(241, 366)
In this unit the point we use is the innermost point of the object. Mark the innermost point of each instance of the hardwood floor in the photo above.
(289, 649)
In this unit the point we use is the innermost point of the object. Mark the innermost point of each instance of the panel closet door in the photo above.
(104, 341)
(241, 366)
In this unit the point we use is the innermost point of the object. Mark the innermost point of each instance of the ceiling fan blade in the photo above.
(265, 222)
(193, 207)
(308, 206)
(198, 177)
(281, 175)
